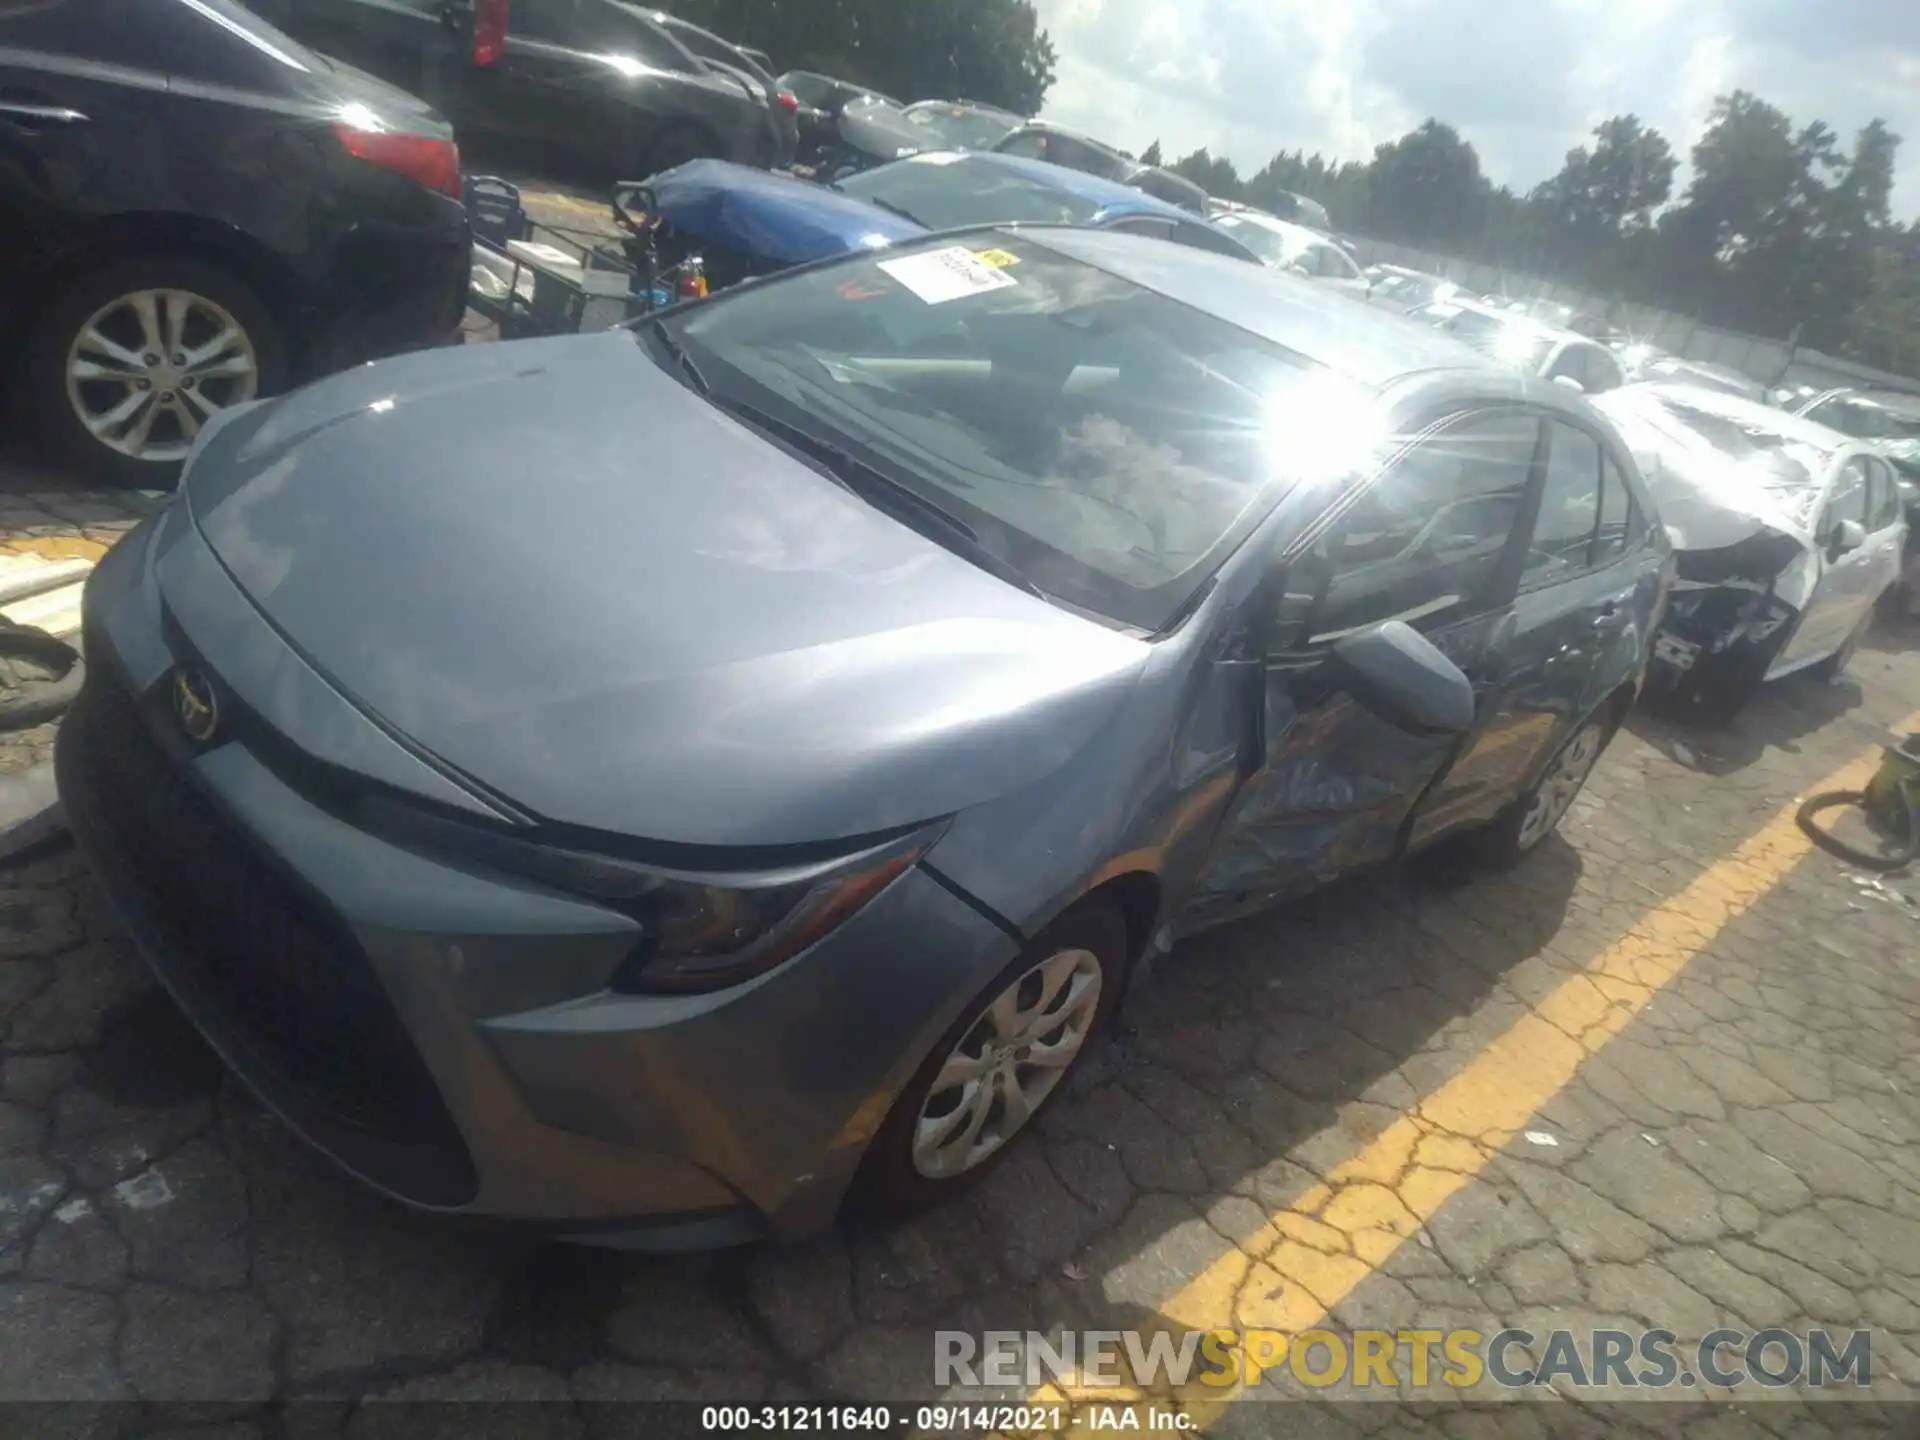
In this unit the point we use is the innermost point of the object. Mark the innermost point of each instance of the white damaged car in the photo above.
(1785, 534)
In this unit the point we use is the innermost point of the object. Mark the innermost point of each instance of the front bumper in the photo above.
(1703, 623)
(448, 1036)
(391, 292)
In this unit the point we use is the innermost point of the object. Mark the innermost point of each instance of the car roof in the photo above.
(1361, 342)
(1520, 319)
(1085, 139)
(976, 106)
(1299, 234)
(1756, 414)
(1109, 195)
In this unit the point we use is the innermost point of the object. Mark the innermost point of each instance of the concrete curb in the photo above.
(30, 810)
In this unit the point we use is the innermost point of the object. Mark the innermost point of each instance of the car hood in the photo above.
(774, 218)
(576, 583)
(1709, 499)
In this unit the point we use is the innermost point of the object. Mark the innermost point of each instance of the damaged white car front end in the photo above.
(1741, 506)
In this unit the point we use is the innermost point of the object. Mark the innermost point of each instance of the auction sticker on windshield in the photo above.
(942, 275)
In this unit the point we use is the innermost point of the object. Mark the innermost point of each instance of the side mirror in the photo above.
(1848, 536)
(1571, 384)
(1296, 268)
(1397, 671)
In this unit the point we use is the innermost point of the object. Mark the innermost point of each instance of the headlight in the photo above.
(701, 929)
(704, 933)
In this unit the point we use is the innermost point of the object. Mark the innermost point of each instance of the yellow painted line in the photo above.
(54, 547)
(549, 200)
(1311, 1255)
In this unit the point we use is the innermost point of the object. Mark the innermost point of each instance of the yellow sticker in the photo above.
(998, 259)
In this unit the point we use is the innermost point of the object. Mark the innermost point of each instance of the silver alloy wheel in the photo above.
(1558, 788)
(1007, 1063)
(149, 368)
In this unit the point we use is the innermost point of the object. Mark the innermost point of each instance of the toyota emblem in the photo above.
(194, 703)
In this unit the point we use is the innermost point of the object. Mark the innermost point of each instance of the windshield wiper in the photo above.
(883, 492)
(677, 353)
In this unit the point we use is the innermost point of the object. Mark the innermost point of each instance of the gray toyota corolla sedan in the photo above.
(645, 783)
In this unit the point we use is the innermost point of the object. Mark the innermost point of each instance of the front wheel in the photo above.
(1525, 825)
(1005, 1057)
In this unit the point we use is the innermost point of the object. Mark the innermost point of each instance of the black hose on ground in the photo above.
(1827, 800)
(39, 676)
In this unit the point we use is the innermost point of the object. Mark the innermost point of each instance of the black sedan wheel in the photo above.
(1006, 1056)
(129, 362)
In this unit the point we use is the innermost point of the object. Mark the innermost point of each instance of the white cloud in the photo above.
(1524, 83)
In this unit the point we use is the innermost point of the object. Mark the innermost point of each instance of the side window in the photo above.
(1620, 524)
(1884, 506)
(1567, 363)
(1032, 145)
(1848, 499)
(1337, 265)
(1569, 507)
(1603, 371)
(599, 27)
(1425, 542)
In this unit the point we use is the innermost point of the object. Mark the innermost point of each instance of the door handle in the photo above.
(24, 115)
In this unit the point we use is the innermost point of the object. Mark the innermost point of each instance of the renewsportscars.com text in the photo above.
(1510, 1359)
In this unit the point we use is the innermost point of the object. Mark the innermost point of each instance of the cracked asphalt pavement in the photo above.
(1731, 1144)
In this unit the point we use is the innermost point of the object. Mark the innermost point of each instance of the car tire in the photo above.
(73, 384)
(677, 143)
(912, 1163)
(1524, 826)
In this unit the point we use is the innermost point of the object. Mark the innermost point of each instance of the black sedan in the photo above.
(195, 211)
(783, 790)
(597, 84)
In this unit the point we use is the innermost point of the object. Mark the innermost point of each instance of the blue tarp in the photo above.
(769, 216)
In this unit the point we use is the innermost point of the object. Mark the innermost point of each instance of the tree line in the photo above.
(1782, 231)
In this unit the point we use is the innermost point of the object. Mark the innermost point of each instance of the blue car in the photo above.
(746, 222)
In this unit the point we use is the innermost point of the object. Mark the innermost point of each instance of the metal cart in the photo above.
(531, 279)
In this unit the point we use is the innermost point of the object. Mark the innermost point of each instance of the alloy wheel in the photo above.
(149, 368)
(1008, 1062)
(1558, 788)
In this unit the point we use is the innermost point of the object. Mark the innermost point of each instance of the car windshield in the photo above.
(960, 126)
(1272, 246)
(1110, 443)
(945, 190)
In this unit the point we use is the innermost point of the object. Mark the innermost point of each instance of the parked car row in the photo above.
(197, 210)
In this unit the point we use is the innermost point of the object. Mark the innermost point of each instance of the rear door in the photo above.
(1430, 542)
(78, 87)
(1573, 604)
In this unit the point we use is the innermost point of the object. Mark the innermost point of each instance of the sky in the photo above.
(1523, 80)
